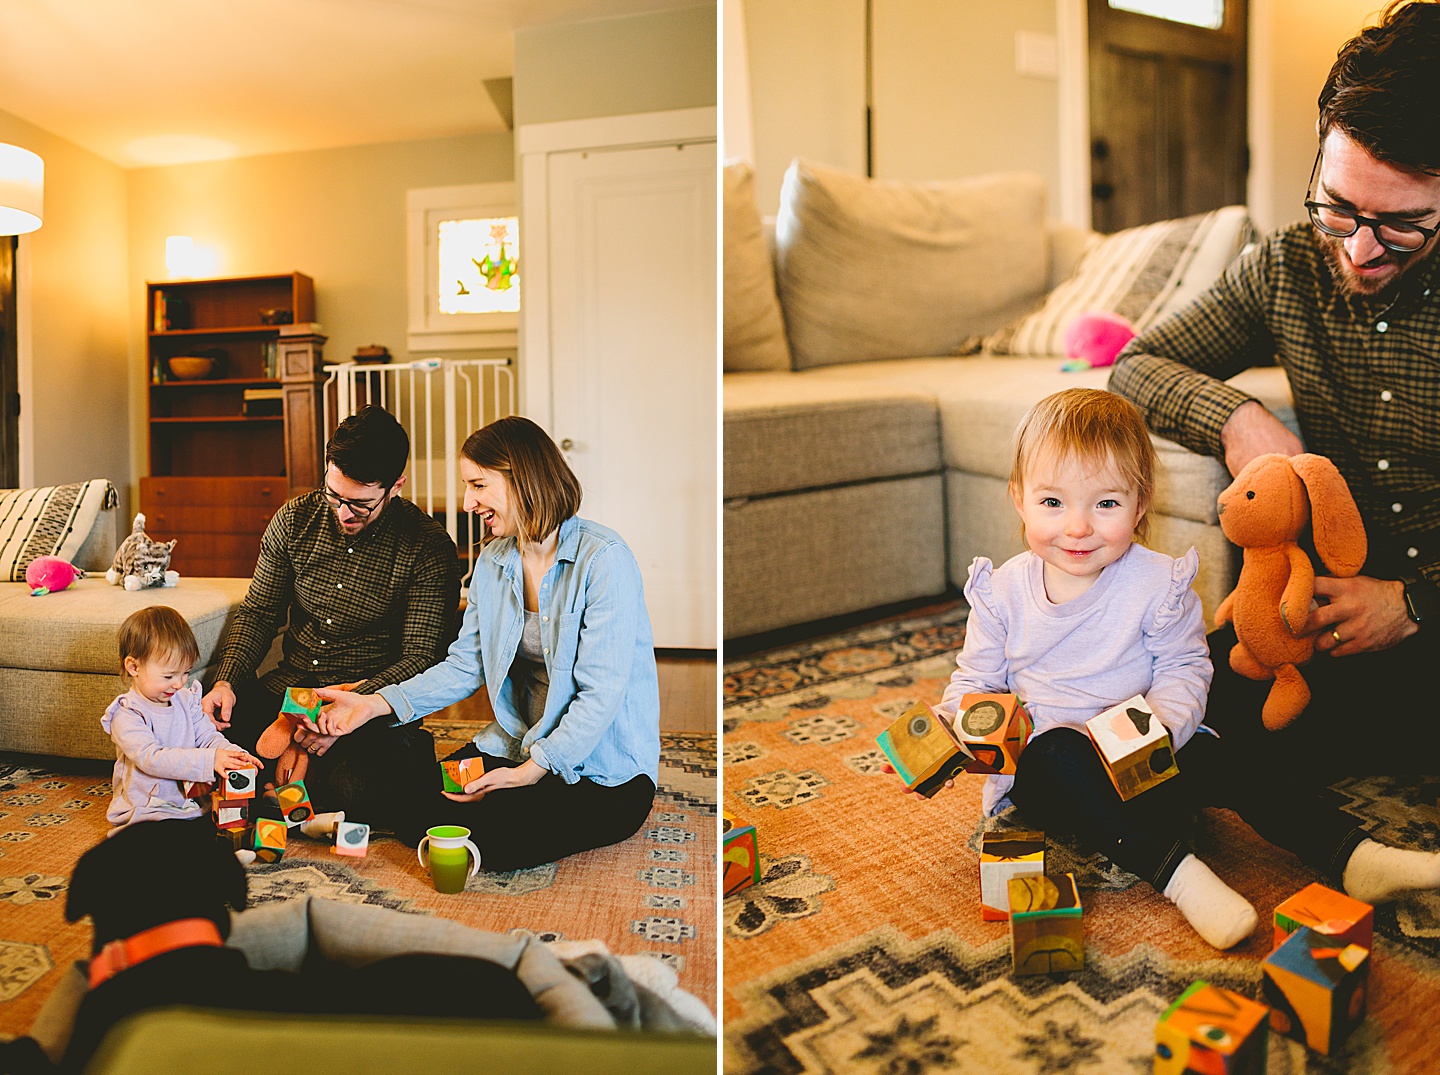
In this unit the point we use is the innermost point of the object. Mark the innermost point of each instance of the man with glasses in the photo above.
(369, 585)
(1347, 304)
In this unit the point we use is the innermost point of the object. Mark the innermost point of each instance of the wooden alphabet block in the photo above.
(1315, 988)
(267, 838)
(352, 838)
(1211, 1031)
(229, 813)
(994, 728)
(1004, 855)
(1330, 913)
(198, 790)
(457, 772)
(239, 783)
(1046, 932)
(924, 750)
(1134, 746)
(303, 703)
(294, 802)
(740, 856)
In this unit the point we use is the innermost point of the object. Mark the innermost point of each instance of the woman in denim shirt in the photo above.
(556, 628)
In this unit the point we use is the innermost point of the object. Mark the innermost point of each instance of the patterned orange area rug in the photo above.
(654, 893)
(862, 948)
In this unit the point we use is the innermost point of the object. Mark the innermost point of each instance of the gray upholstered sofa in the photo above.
(880, 348)
(59, 666)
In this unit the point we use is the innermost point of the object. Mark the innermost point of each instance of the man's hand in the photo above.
(222, 699)
(313, 741)
(517, 776)
(1367, 614)
(1251, 430)
(347, 711)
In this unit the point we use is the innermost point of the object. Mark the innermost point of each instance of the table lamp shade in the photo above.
(22, 188)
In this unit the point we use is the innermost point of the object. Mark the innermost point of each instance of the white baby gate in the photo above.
(440, 402)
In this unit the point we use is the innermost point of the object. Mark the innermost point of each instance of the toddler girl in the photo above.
(1088, 618)
(161, 736)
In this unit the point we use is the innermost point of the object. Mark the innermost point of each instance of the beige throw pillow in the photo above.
(871, 269)
(754, 331)
(1143, 274)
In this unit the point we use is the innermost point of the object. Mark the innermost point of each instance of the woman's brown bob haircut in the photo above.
(544, 491)
(155, 633)
(1095, 428)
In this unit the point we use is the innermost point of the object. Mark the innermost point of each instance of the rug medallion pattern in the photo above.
(653, 893)
(862, 949)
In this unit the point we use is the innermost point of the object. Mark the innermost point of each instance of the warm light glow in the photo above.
(187, 259)
(179, 256)
(22, 190)
(163, 149)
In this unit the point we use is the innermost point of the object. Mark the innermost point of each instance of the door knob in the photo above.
(566, 444)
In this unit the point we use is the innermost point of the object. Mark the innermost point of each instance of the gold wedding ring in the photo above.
(1335, 634)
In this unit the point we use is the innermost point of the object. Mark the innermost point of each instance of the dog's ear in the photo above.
(1339, 530)
(229, 876)
(86, 883)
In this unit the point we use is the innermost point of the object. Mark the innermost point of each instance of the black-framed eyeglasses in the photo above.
(361, 509)
(1401, 236)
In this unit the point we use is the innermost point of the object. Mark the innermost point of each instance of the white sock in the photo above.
(245, 855)
(1219, 914)
(322, 825)
(1377, 872)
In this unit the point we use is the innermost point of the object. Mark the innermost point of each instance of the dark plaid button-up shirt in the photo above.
(379, 606)
(1364, 375)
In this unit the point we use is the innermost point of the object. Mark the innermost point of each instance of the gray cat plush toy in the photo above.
(140, 561)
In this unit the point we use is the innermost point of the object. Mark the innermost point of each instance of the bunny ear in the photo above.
(1339, 530)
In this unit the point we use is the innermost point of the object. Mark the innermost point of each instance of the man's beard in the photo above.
(1351, 285)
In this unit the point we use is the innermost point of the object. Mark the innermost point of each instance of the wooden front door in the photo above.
(1167, 115)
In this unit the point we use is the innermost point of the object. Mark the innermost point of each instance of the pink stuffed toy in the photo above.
(50, 574)
(1094, 339)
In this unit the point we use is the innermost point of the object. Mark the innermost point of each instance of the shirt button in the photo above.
(314, 662)
(1384, 464)
(547, 649)
(1397, 507)
(544, 619)
(324, 643)
(1412, 552)
(349, 550)
(329, 622)
(341, 585)
(1381, 326)
(1385, 396)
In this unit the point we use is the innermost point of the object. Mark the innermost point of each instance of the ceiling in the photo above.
(152, 82)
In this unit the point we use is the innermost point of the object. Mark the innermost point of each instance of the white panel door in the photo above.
(631, 256)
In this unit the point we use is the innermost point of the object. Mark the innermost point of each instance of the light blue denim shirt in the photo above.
(602, 712)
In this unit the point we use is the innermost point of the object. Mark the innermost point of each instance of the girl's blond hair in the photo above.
(1096, 428)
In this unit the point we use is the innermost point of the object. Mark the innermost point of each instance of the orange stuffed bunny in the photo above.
(1264, 511)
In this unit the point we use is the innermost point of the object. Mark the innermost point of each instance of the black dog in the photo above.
(165, 887)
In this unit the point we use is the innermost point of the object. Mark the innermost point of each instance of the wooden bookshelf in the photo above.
(217, 472)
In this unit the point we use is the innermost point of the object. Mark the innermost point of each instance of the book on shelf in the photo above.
(171, 312)
(303, 328)
(264, 393)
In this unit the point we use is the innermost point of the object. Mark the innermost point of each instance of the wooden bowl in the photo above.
(190, 367)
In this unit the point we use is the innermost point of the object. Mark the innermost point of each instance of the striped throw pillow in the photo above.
(1143, 274)
(54, 521)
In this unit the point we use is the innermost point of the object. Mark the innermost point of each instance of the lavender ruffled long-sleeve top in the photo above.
(1137, 630)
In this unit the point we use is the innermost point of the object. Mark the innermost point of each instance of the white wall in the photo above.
(72, 305)
(1292, 46)
(337, 215)
(615, 67)
(949, 103)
